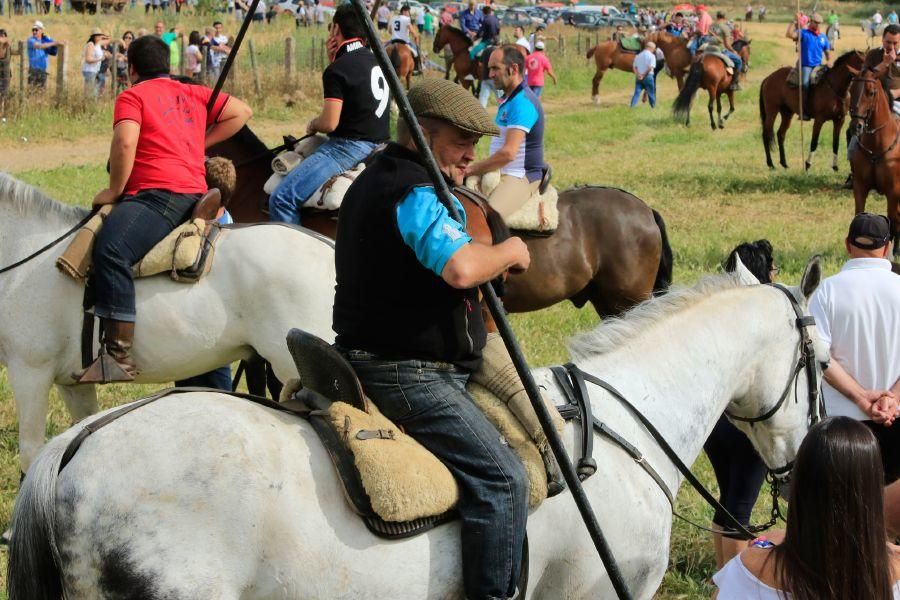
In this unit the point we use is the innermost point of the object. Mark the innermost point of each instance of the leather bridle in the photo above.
(864, 127)
(571, 381)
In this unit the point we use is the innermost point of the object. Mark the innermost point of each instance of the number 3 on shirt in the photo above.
(397, 25)
(380, 91)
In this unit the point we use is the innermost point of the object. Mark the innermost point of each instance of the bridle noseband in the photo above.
(864, 127)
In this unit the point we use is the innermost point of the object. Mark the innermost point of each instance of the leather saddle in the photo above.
(207, 207)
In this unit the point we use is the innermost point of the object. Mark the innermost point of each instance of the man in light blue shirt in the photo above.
(40, 49)
(645, 81)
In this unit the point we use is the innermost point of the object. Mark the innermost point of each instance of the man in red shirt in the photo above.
(160, 132)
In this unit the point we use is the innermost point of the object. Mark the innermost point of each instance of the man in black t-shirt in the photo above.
(355, 115)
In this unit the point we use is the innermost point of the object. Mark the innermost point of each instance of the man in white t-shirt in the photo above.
(403, 30)
(383, 15)
(521, 40)
(644, 78)
(218, 51)
(857, 315)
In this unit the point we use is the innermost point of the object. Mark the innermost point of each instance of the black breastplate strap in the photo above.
(109, 417)
(577, 374)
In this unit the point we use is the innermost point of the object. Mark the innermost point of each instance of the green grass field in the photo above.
(712, 188)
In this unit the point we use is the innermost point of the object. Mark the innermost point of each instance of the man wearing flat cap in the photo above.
(407, 317)
(857, 316)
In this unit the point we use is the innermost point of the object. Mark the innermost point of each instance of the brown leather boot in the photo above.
(114, 364)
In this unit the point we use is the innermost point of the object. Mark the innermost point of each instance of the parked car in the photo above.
(514, 17)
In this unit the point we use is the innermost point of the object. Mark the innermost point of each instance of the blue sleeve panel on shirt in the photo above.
(427, 228)
(521, 114)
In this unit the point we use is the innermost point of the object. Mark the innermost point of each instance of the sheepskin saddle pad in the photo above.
(186, 254)
(397, 487)
(729, 64)
(539, 214)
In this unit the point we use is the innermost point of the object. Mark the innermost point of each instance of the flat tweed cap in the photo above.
(448, 101)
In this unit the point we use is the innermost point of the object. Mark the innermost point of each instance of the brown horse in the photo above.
(608, 55)
(459, 44)
(709, 73)
(876, 162)
(827, 102)
(402, 60)
(742, 47)
(678, 57)
(610, 249)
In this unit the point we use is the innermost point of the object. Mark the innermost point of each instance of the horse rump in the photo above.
(394, 55)
(681, 110)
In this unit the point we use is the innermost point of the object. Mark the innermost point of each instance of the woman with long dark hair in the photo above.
(835, 546)
(739, 469)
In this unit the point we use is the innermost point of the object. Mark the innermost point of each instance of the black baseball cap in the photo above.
(869, 231)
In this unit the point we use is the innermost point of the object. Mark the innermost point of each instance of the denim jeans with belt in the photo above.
(133, 227)
(430, 402)
(331, 158)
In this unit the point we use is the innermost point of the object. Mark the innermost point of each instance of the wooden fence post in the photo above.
(182, 61)
(578, 44)
(61, 72)
(113, 70)
(256, 85)
(290, 56)
(312, 54)
(22, 59)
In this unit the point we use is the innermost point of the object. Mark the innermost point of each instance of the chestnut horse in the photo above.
(827, 102)
(678, 57)
(610, 248)
(608, 55)
(459, 44)
(402, 60)
(709, 73)
(876, 163)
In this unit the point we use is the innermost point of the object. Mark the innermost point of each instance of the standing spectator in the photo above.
(521, 40)
(1, 8)
(538, 33)
(193, 57)
(103, 73)
(171, 39)
(428, 22)
(321, 12)
(122, 81)
(57, 6)
(892, 17)
(761, 13)
(446, 16)
(876, 22)
(45, 6)
(5, 70)
(738, 468)
(420, 18)
(218, 50)
(857, 316)
(260, 14)
(384, 15)
(40, 48)
(91, 57)
(835, 546)
(644, 65)
(748, 13)
(536, 65)
(159, 30)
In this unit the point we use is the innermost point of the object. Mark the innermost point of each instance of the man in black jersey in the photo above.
(355, 116)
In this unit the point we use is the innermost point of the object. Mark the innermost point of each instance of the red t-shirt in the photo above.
(173, 121)
(536, 64)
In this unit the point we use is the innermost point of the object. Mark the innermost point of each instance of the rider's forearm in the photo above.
(121, 162)
(234, 116)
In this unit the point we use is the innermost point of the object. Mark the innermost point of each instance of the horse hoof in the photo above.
(807, 166)
(834, 168)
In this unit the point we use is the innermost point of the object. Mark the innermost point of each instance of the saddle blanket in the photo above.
(540, 213)
(331, 193)
(631, 44)
(186, 253)
(729, 64)
(793, 78)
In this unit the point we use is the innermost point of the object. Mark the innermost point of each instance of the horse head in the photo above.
(866, 92)
(777, 428)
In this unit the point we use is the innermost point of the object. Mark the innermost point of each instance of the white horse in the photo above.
(208, 496)
(264, 280)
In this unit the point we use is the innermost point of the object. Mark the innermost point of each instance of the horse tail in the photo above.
(768, 136)
(591, 51)
(33, 571)
(681, 110)
(394, 55)
(666, 260)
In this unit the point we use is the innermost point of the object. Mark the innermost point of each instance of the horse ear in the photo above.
(743, 273)
(854, 72)
(812, 276)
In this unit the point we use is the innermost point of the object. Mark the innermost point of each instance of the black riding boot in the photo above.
(114, 362)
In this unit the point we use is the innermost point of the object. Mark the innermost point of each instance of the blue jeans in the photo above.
(537, 89)
(805, 74)
(219, 379)
(738, 63)
(696, 42)
(430, 402)
(133, 227)
(332, 158)
(647, 84)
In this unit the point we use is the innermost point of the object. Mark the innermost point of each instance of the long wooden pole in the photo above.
(499, 314)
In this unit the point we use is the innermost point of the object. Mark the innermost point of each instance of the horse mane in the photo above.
(28, 200)
(612, 333)
(458, 33)
(844, 58)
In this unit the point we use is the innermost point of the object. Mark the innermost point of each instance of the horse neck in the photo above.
(457, 43)
(840, 79)
(682, 373)
(883, 136)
